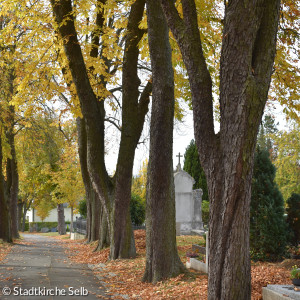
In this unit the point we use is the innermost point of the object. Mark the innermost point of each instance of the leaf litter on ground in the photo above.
(128, 273)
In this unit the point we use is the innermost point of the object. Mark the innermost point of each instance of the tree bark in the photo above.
(20, 213)
(5, 221)
(13, 182)
(23, 219)
(92, 201)
(72, 216)
(162, 260)
(104, 238)
(248, 51)
(27, 205)
(61, 219)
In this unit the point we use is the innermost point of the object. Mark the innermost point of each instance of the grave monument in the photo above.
(188, 203)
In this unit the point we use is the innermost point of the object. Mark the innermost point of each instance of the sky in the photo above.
(182, 136)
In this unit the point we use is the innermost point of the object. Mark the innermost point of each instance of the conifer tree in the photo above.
(293, 217)
(268, 232)
(193, 167)
(266, 129)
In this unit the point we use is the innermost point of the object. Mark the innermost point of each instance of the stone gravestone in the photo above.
(188, 203)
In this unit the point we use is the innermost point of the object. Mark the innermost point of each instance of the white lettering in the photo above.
(43, 291)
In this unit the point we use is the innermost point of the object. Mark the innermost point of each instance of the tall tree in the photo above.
(12, 182)
(5, 222)
(9, 123)
(266, 130)
(246, 63)
(162, 260)
(114, 193)
(67, 180)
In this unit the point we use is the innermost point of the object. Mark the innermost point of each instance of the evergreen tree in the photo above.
(266, 129)
(293, 218)
(268, 231)
(193, 167)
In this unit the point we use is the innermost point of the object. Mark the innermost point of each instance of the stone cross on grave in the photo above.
(179, 165)
(179, 155)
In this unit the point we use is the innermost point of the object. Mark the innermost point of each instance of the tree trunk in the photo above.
(114, 201)
(61, 219)
(104, 238)
(72, 216)
(27, 205)
(20, 213)
(162, 260)
(13, 184)
(92, 201)
(5, 222)
(23, 220)
(247, 57)
(134, 109)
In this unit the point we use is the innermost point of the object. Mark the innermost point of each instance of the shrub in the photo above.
(41, 225)
(82, 208)
(137, 210)
(26, 228)
(268, 230)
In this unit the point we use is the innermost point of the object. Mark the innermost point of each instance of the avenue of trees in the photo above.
(71, 69)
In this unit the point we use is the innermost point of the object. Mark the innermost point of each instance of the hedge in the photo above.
(41, 225)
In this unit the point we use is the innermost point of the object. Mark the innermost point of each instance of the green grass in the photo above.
(185, 240)
(49, 233)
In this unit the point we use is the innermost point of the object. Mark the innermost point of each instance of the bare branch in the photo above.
(111, 120)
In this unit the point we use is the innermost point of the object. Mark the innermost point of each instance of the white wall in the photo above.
(52, 216)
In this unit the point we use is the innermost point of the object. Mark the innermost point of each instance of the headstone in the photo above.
(45, 229)
(188, 203)
(196, 264)
(197, 220)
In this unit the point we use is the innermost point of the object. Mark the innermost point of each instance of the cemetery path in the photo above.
(39, 266)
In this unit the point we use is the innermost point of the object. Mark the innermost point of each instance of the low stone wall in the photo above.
(280, 292)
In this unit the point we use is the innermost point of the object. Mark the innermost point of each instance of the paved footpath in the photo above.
(41, 267)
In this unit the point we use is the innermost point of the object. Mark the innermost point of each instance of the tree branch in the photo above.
(145, 98)
(187, 35)
(110, 120)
